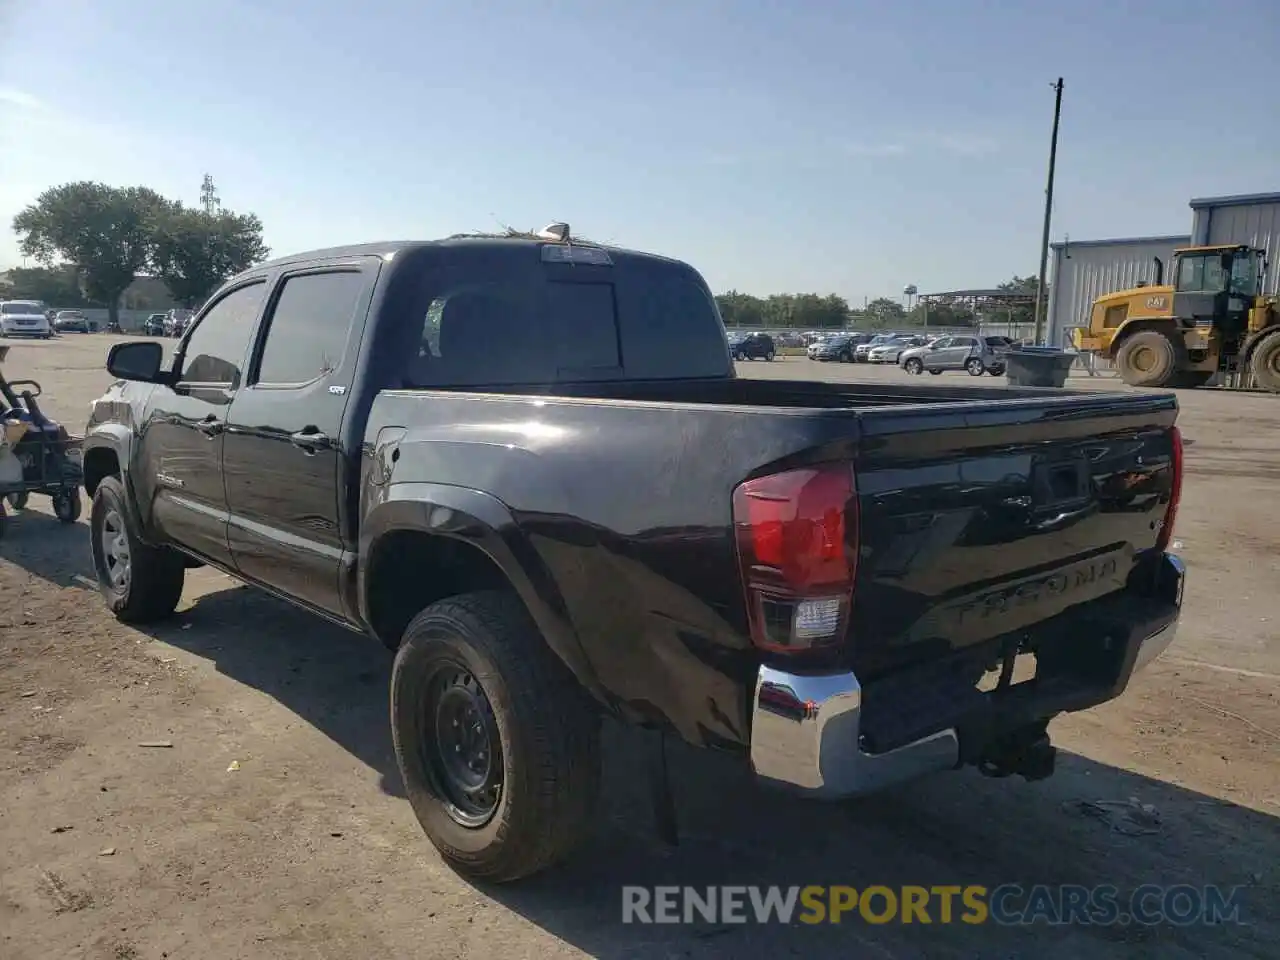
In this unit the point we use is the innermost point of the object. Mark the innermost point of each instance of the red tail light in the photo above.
(1175, 491)
(798, 547)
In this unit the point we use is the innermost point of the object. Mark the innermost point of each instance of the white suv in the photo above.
(24, 318)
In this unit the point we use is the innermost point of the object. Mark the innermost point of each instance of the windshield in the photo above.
(1244, 275)
(22, 308)
(70, 315)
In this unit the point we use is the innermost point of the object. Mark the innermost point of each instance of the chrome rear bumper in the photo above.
(806, 734)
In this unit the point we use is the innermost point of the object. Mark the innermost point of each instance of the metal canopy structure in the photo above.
(992, 309)
(976, 299)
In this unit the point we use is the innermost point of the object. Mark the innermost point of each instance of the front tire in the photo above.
(974, 367)
(517, 792)
(769, 356)
(1148, 359)
(914, 366)
(141, 583)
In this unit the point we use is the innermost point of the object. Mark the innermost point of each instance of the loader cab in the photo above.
(1215, 286)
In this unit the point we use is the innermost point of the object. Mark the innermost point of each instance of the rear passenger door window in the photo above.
(309, 326)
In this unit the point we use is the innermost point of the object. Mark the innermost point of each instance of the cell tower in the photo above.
(209, 198)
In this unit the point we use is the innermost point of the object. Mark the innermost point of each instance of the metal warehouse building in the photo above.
(1083, 270)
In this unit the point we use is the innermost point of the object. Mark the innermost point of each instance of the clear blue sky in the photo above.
(843, 147)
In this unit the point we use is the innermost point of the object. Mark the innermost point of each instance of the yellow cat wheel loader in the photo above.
(1212, 318)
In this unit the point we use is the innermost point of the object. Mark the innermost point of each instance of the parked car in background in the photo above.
(860, 354)
(973, 354)
(71, 321)
(889, 351)
(25, 318)
(153, 326)
(176, 321)
(752, 346)
(838, 347)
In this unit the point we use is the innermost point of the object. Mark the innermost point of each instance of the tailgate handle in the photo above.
(1061, 483)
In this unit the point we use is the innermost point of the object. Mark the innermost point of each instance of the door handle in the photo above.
(210, 426)
(310, 440)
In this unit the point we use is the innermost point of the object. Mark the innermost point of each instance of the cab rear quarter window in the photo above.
(505, 316)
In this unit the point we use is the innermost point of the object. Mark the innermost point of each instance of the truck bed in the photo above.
(742, 391)
(625, 492)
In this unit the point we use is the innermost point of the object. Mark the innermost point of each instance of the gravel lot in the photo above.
(307, 849)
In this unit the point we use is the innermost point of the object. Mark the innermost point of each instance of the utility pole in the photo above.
(209, 198)
(1048, 213)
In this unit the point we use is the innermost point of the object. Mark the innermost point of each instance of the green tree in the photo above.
(106, 233)
(740, 309)
(943, 312)
(196, 250)
(1020, 312)
(57, 286)
(884, 312)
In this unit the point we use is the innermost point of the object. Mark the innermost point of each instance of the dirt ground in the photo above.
(272, 825)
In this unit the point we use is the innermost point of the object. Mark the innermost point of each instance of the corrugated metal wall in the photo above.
(1257, 224)
(1082, 271)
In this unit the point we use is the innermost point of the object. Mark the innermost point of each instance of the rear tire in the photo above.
(914, 366)
(996, 371)
(541, 738)
(140, 583)
(1148, 358)
(66, 506)
(18, 500)
(936, 372)
(739, 356)
(1265, 363)
(769, 356)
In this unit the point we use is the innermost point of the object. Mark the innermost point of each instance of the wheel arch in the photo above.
(1166, 326)
(106, 453)
(428, 541)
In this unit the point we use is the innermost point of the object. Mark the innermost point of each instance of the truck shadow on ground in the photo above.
(951, 829)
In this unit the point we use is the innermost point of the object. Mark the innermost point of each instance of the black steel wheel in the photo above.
(497, 744)
(464, 756)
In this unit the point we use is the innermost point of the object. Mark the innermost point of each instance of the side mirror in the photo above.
(139, 360)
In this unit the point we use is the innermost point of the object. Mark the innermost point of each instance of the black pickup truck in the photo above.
(526, 465)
